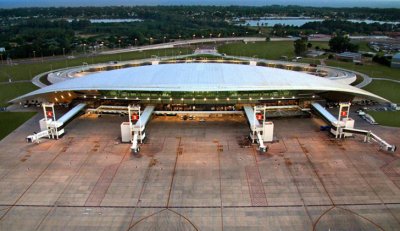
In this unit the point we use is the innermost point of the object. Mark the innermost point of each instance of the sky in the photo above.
(319, 3)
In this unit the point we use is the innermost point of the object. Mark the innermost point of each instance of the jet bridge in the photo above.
(368, 136)
(67, 117)
(134, 130)
(144, 118)
(343, 126)
(251, 118)
(327, 116)
(335, 123)
(50, 127)
(108, 109)
(260, 132)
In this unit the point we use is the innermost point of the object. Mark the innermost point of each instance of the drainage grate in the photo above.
(256, 187)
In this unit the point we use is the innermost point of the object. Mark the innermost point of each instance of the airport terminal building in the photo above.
(198, 87)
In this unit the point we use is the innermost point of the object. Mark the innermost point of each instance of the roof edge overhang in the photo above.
(209, 77)
(356, 92)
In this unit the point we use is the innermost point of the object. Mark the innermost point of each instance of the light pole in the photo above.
(164, 39)
(135, 41)
(34, 55)
(63, 51)
(151, 40)
(84, 48)
(119, 42)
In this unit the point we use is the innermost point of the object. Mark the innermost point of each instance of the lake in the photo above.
(295, 21)
(112, 20)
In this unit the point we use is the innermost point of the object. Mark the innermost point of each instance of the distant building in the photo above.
(319, 36)
(355, 57)
(386, 46)
(314, 53)
(395, 61)
(369, 37)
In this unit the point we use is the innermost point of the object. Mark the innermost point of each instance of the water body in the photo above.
(273, 22)
(291, 21)
(112, 20)
(297, 21)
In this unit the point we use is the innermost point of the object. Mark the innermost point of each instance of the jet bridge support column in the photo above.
(49, 117)
(49, 126)
(260, 113)
(137, 124)
(343, 126)
(134, 115)
(259, 132)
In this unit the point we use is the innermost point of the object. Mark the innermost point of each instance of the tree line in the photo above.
(34, 32)
(221, 12)
(44, 37)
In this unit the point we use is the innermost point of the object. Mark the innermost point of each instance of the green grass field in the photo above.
(386, 89)
(387, 118)
(372, 69)
(275, 50)
(363, 46)
(13, 90)
(358, 80)
(264, 50)
(28, 71)
(390, 91)
(9, 121)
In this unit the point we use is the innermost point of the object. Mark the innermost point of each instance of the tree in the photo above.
(381, 60)
(341, 44)
(309, 45)
(300, 46)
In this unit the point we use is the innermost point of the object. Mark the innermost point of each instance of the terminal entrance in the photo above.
(282, 107)
(196, 107)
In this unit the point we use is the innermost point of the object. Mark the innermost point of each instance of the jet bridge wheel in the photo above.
(136, 150)
(265, 149)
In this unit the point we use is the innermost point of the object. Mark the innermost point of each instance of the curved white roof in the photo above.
(200, 77)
